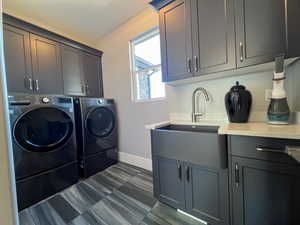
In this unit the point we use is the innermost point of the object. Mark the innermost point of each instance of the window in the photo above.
(146, 67)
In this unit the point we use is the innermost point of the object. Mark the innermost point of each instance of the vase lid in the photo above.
(237, 87)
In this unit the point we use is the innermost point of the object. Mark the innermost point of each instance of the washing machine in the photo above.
(44, 146)
(97, 134)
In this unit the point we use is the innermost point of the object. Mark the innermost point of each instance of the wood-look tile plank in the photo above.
(26, 218)
(109, 182)
(132, 170)
(138, 192)
(87, 218)
(81, 196)
(116, 213)
(63, 208)
(152, 219)
(44, 214)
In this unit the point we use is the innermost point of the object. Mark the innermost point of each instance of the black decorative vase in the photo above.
(238, 103)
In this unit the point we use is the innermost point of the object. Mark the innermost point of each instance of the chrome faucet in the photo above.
(195, 103)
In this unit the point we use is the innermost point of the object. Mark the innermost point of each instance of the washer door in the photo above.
(100, 122)
(43, 129)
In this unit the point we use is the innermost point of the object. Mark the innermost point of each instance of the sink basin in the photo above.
(191, 128)
(201, 145)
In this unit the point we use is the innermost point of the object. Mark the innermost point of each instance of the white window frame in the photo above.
(134, 89)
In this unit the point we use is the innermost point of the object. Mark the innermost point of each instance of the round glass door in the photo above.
(100, 122)
(43, 129)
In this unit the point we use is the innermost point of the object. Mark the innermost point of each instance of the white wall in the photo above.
(181, 99)
(133, 117)
(8, 207)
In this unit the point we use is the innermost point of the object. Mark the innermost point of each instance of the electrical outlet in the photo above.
(268, 95)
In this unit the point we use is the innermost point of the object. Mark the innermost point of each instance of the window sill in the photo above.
(150, 100)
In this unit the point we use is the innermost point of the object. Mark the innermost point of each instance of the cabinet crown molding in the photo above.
(21, 24)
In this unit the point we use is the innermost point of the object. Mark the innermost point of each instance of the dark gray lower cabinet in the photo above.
(199, 191)
(169, 181)
(265, 193)
(207, 193)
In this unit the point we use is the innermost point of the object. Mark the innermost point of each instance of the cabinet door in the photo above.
(17, 60)
(92, 75)
(213, 36)
(260, 28)
(169, 182)
(176, 41)
(265, 193)
(72, 70)
(46, 64)
(207, 194)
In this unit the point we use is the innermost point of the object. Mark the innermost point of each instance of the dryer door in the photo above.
(100, 122)
(43, 129)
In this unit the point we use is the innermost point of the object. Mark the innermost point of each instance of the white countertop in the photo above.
(258, 129)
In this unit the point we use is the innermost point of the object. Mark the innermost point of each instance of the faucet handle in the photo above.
(195, 117)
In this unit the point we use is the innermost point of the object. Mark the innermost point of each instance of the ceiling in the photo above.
(85, 20)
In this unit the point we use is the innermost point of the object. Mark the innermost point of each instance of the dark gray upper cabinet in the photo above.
(213, 36)
(93, 75)
(293, 11)
(176, 41)
(72, 70)
(265, 193)
(207, 193)
(42, 62)
(82, 73)
(17, 60)
(169, 181)
(260, 31)
(46, 64)
(225, 34)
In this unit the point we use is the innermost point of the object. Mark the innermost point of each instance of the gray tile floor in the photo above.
(120, 195)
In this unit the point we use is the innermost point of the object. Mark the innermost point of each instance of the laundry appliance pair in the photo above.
(55, 142)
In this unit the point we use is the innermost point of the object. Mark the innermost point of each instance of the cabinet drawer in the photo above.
(269, 149)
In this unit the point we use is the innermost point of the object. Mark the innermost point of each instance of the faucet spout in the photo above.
(195, 114)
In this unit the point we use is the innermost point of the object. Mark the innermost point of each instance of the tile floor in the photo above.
(120, 195)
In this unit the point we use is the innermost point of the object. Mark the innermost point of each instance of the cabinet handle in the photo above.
(87, 89)
(187, 171)
(189, 65)
(30, 84)
(37, 86)
(237, 175)
(179, 171)
(82, 89)
(196, 63)
(241, 52)
(266, 149)
(292, 151)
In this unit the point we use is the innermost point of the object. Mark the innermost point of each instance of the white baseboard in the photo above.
(135, 160)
